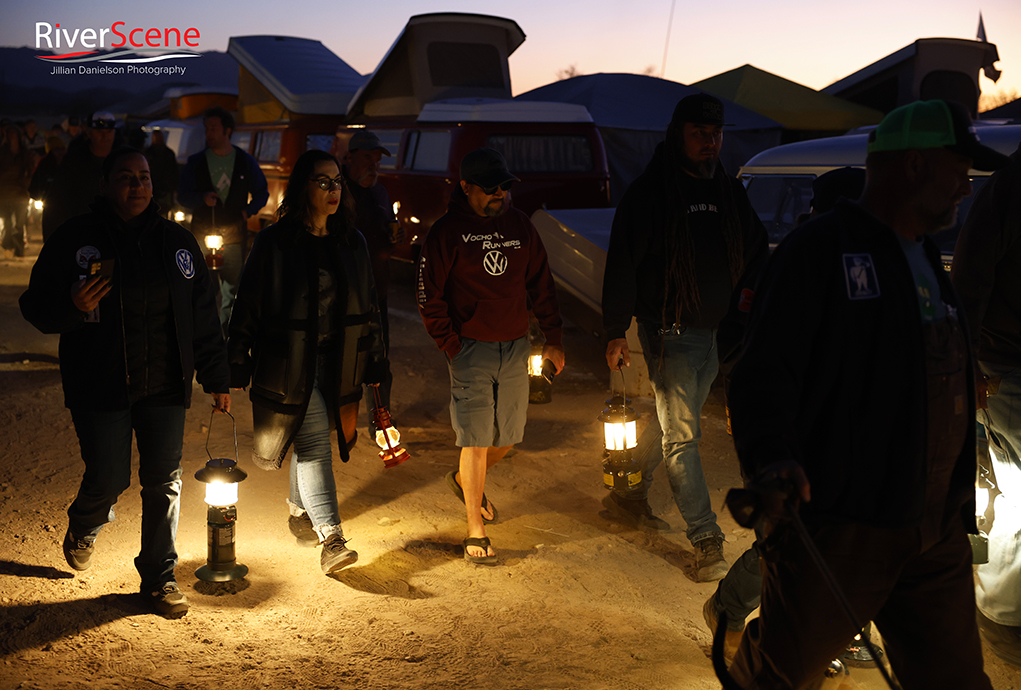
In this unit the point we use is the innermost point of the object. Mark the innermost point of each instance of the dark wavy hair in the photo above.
(295, 207)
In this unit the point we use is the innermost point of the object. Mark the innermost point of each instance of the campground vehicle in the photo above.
(554, 148)
(275, 146)
(779, 180)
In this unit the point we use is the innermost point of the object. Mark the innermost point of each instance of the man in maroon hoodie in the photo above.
(482, 268)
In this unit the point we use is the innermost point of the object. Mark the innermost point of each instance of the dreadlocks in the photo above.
(682, 296)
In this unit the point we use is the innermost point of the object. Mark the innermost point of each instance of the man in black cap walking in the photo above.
(483, 266)
(684, 241)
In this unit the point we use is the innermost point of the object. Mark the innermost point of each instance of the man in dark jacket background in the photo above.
(987, 274)
(684, 240)
(856, 389)
(482, 267)
(223, 186)
(374, 218)
(130, 296)
(165, 174)
(80, 174)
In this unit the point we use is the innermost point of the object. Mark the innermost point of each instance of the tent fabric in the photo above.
(794, 106)
(632, 112)
(636, 101)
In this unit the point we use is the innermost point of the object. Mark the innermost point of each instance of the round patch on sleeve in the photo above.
(186, 263)
(85, 255)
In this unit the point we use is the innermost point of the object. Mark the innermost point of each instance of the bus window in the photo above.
(779, 201)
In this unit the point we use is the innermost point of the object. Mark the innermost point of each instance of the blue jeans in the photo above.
(229, 276)
(313, 486)
(105, 440)
(682, 385)
(997, 592)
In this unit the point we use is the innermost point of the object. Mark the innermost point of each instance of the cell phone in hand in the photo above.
(101, 267)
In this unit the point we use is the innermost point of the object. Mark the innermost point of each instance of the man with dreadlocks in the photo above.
(684, 238)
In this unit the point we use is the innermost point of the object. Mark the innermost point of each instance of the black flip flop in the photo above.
(459, 492)
(481, 542)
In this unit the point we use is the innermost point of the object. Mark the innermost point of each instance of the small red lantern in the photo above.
(387, 436)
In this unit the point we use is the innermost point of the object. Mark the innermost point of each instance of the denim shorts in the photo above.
(489, 392)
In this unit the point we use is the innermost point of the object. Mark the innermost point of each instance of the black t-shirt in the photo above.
(332, 294)
(709, 249)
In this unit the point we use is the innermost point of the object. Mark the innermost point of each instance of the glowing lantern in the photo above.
(620, 432)
(221, 477)
(387, 436)
(214, 259)
(540, 379)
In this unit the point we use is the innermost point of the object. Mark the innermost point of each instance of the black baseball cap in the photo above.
(699, 109)
(486, 168)
(932, 125)
(848, 183)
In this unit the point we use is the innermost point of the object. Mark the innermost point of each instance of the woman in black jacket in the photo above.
(305, 333)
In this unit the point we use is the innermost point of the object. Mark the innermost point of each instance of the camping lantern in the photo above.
(214, 259)
(540, 379)
(221, 477)
(620, 432)
(387, 436)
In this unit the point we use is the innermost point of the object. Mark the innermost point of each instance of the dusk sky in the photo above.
(813, 42)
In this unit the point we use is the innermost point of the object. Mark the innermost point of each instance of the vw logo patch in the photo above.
(85, 255)
(186, 263)
(495, 263)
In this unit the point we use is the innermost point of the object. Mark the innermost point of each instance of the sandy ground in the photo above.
(577, 601)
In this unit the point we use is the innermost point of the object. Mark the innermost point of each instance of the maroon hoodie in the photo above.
(478, 277)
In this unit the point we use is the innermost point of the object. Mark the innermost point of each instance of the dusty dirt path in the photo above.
(577, 601)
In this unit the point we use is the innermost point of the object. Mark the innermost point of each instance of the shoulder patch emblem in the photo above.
(85, 255)
(860, 277)
(186, 263)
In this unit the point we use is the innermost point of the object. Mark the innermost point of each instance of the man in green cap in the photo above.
(856, 391)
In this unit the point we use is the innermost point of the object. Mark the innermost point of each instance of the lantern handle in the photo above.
(209, 431)
(623, 381)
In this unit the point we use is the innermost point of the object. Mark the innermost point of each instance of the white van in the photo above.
(779, 180)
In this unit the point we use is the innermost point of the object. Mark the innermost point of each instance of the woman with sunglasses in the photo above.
(305, 334)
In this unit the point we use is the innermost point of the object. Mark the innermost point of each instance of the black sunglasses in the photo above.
(328, 183)
(490, 191)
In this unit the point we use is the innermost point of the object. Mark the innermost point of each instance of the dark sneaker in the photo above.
(301, 528)
(731, 639)
(336, 555)
(1004, 640)
(169, 601)
(635, 513)
(78, 550)
(709, 559)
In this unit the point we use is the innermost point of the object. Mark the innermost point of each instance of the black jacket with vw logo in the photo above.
(172, 330)
(478, 276)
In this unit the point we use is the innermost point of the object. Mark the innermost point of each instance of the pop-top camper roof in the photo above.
(438, 57)
(928, 68)
(283, 77)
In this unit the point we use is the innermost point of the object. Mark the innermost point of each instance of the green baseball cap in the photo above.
(932, 125)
